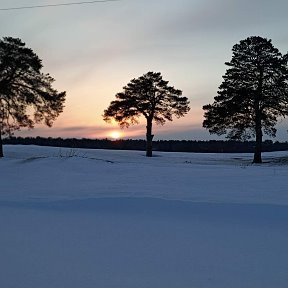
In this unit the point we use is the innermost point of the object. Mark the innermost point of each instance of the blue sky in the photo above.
(94, 50)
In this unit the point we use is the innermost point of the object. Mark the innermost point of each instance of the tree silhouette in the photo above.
(148, 96)
(253, 94)
(26, 94)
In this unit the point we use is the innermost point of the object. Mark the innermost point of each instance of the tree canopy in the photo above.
(26, 94)
(253, 94)
(148, 96)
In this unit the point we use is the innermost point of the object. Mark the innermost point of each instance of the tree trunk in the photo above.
(258, 120)
(149, 138)
(258, 130)
(1, 146)
(258, 146)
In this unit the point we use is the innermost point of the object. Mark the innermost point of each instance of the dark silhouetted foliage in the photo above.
(26, 94)
(253, 94)
(210, 146)
(148, 96)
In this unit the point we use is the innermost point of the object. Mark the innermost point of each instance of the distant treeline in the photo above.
(211, 146)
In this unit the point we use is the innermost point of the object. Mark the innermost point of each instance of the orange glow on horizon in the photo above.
(115, 135)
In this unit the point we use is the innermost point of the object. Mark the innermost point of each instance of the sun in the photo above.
(115, 135)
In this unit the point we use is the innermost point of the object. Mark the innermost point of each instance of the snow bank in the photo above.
(96, 218)
(51, 174)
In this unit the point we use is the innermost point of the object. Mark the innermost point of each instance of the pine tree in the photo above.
(26, 94)
(253, 94)
(148, 96)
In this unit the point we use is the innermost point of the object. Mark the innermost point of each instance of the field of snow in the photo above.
(76, 218)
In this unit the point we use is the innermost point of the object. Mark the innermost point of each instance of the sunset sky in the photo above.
(93, 50)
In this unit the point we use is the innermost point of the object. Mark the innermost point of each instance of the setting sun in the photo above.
(115, 135)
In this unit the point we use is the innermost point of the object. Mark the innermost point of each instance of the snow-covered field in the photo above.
(99, 218)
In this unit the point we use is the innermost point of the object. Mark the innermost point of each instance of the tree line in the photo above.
(210, 146)
(248, 104)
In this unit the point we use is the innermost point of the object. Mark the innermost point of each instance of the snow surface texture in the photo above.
(98, 218)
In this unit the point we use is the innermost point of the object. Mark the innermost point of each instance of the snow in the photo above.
(104, 218)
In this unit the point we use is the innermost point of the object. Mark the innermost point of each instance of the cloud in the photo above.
(65, 132)
(218, 17)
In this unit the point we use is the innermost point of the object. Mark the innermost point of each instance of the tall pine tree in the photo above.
(151, 97)
(26, 94)
(253, 94)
